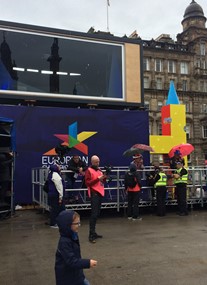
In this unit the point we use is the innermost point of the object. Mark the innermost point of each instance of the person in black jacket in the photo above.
(77, 167)
(5, 174)
(176, 158)
(181, 180)
(69, 264)
(132, 183)
(56, 193)
(159, 179)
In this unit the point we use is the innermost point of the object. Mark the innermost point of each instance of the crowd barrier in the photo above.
(115, 196)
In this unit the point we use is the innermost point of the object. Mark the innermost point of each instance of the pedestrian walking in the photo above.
(69, 264)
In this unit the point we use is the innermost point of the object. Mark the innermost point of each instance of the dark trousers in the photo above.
(96, 199)
(70, 181)
(161, 197)
(133, 204)
(181, 190)
(4, 187)
(55, 208)
(71, 185)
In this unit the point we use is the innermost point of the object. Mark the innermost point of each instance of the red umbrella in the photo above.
(143, 147)
(183, 148)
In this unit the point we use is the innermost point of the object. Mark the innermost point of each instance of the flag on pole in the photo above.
(108, 2)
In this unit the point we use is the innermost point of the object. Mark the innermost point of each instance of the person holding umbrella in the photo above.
(176, 158)
(181, 179)
(132, 183)
(138, 161)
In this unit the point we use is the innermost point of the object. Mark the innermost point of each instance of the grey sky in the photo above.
(149, 17)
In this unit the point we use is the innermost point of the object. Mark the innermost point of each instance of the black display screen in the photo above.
(56, 65)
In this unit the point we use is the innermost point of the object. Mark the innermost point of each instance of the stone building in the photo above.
(185, 62)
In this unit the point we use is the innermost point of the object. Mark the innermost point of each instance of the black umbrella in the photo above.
(137, 149)
(131, 151)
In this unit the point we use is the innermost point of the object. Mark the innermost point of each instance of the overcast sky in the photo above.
(150, 18)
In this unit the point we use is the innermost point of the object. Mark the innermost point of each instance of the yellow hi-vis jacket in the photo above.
(162, 181)
(182, 179)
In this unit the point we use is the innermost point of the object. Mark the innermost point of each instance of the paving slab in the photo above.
(169, 250)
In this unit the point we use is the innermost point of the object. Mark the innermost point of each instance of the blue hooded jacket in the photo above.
(69, 264)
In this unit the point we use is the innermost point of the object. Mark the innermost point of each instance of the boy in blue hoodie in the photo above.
(68, 263)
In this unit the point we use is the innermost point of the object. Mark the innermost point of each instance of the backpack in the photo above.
(46, 186)
(130, 180)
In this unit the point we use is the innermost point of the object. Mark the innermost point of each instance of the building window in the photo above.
(146, 82)
(159, 129)
(203, 64)
(187, 130)
(147, 104)
(159, 105)
(204, 108)
(198, 64)
(184, 68)
(158, 65)
(184, 85)
(159, 83)
(203, 86)
(203, 48)
(146, 64)
(189, 158)
(160, 158)
(173, 80)
(204, 131)
(187, 106)
(171, 66)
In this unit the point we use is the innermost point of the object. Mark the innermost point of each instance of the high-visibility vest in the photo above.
(162, 181)
(182, 179)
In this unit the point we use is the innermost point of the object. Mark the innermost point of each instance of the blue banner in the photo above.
(39, 130)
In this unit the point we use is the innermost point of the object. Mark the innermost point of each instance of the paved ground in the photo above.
(165, 251)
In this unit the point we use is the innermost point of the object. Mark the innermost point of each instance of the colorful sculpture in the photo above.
(173, 118)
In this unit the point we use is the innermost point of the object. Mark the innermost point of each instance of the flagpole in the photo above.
(107, 7)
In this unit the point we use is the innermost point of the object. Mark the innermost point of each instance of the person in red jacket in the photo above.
(133, 186)
(94, 179)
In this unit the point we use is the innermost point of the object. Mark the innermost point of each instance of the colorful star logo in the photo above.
(73, 139)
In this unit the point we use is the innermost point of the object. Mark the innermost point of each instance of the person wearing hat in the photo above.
(138, 161)
(132, 183)
(176, 158)
(180, 181)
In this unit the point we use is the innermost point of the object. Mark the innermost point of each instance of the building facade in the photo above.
(185, 62)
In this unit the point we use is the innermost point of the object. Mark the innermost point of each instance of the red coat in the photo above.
(92, 181)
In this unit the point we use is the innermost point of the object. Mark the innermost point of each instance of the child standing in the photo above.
(68, 264)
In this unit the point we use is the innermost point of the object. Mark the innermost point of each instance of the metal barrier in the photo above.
(115, 196)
